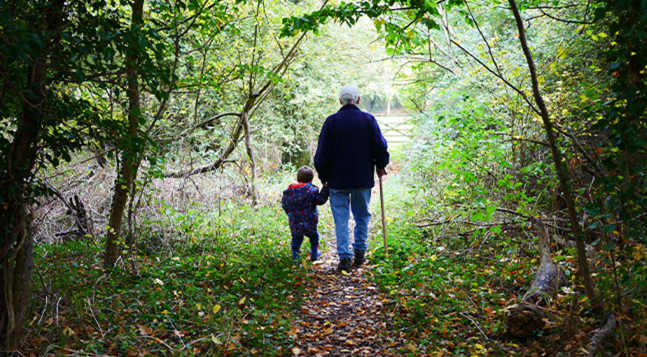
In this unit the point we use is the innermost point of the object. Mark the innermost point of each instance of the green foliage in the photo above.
(620, 117)
(225, 280)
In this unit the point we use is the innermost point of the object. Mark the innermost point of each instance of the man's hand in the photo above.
(381, 172)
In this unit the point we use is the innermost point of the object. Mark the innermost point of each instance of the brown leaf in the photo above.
(145, 331)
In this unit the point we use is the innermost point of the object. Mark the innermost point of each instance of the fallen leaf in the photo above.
(215, 340)
(216, 308)
(68, 331)
(479, 349)
(296, 351)
(145, 331)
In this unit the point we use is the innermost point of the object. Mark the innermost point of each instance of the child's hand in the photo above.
(325, 184)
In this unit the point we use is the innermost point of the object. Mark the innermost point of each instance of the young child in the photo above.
(300, 202)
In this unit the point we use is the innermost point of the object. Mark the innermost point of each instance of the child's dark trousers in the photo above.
(297, 239)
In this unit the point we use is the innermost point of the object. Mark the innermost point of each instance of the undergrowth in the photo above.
(451, 293)
(222, 286)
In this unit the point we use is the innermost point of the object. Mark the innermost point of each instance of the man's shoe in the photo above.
(359, 258)
(295, 256)
(344, 264)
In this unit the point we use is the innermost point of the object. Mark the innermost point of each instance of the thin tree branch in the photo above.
(521, 139)
(523, 95)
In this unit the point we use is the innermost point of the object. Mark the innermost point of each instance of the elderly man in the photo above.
(351, 147)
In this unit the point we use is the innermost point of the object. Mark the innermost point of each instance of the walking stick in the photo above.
(386, 248)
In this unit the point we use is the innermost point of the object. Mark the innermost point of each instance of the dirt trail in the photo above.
(344, 314)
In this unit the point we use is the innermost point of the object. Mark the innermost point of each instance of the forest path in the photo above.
(344, 314)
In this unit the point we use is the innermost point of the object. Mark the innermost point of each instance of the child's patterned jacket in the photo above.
(300, 203)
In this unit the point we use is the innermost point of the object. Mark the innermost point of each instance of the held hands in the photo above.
(381, 172)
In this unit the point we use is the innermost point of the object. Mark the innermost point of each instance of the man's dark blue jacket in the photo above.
(351, 146)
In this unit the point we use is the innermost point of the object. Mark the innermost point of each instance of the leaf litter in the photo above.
(343, 314)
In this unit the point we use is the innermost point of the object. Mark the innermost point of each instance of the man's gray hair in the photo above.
(348, 95)
(348, 98)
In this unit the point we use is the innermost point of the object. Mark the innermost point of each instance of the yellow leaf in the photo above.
(68, 331)
(344, 272)
(242, 301)
(199, 306)
(296, 351)
(216, 308)
(479, 349)
(158, 281)
(434, 258)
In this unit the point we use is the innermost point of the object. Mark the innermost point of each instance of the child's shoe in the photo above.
(295, 255)
(315, 253)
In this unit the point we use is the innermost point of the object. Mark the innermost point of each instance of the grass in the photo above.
(228, 287)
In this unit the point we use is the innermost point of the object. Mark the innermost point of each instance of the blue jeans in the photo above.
(358, 200)
(297, 239)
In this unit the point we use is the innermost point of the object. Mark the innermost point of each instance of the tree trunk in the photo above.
(250, 153)
(16, 241)
(130, 156)
(528, 316)
(562, 175)
(16, 284)
(17, 247)
(602, 335)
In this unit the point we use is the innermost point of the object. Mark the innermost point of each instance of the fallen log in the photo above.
(529, 316)
(602, 335)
